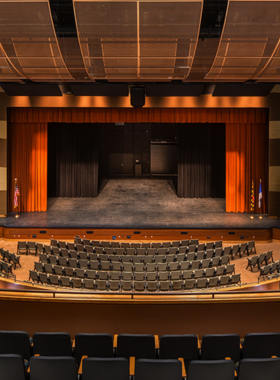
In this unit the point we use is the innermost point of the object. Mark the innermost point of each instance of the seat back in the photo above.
(159, 369)
(12, 367)
(258, 369)
(52, 344)
(220, 346)
(137, 345)
(179, 346)
(211, 370)
(53, 367)
(93, 345)
(15, 342)
(261, 345)
(106, 369)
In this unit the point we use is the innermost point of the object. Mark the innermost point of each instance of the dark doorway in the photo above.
(72, 160)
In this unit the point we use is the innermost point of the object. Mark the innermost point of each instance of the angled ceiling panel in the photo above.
(28, 39)
(249, 44)
(138, 40)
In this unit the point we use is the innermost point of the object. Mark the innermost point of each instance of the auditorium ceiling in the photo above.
(184, 42)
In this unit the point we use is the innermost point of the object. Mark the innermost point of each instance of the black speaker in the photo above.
(137, 97)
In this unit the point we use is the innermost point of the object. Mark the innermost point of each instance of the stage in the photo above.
(133, 203)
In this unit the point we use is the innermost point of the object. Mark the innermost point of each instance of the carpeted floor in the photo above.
(137, 203)
(27, 262)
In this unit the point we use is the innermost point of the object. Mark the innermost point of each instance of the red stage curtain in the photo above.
(28, 150)
(246, 160)
(138, 115)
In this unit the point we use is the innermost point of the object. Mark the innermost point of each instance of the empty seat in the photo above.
(265, 270)
(54, 280)
(200, 255)
(139, 267)
(211, 370)
(224, 280)
(202, 283)
(137, 345)
(184, 265)
(179, 346)
(62, 261)
(32, 247)
(22, 247)
(58, 270)
(185, 243)
(162, 276)
(52, 344)
(114, 285)
(187, 274)
(32, 275)
(198, 273)
(69, 272)
(164, 286)
(220, 346)
(261, 345)
(230, 269)
(213, 281)
(251, 247)
(15, 259)
(139, 286)
(65, 281)
(55, 368)
(94, 264)
(205, 263)
(189, 284)
(235, 278)
(48, 268)
(177, 285)
(139, 276)
(224, 260)
(83, 256)
(259, 369)
(209, 272)
(195, 264)
(89, 284)
(93, 345)
(269, 256)
(126, 285)
(115, 244)
(175, 275)
(15, 342)
(152, 286)
(77, 283)
(252, 262)
(215, 261)
(12, 367)
(173, 266)
(71, 246)
(101, 284)
(168, 369)
(44, 279)
(105, 369)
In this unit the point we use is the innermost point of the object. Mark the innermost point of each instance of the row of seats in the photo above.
(172, 254)
(270, 269)
(187, 346)
(157, 284)
(259, 260)
(10, 257)
(64, 368)
(134, 266)
(128, 275)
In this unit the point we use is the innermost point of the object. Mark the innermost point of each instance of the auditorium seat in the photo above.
(224, 260)
(48, 268)
(139, 276)
(264, 271)
(32, 248)
(251, 247)
(190, 284)
(136, 345)
(115, 244)
(63, 261)
(147, 369)
(194, 242)
(101, 275)
(185, 243)
(69, 272)
(177, 285)
(15, 342)
(58, 270)
(77, 283)
(52, 344)
(54, 368)
(235, 278)
(269, 256)
(198, 273)
(105, 369)
(139, 286)
(44, 279)
(71, 246)
(215, 261)
(164, 286)
(12, 367)
(259, 369)
(94, 264)
(213, 282)
(89, 284)
(156, 245)
(184, 265)
(224, 280)
(152, 286)
(195, 264)
(179, 346)
(22, 247)
(220, 346)
(126, 285)
(191, 249)
(114, 285)
(211, 370)
(15, 259)
(33, 275)
(65, 281)
(234, 250)
(176, 275)
(209, 272)
(201, 283)
(127, 276)
(261, 345)
(187, 274)
(54, 280)
(101, 285)
(162, 276)
(55, 251)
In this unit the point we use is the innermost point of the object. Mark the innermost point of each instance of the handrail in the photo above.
(149, 294)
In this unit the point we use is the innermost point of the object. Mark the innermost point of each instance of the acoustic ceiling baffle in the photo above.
(249, 40)
(138, 40)
(28, 38)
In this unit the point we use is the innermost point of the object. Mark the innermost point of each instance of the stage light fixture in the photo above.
(17, 216)
(251, 217)
(260, 217)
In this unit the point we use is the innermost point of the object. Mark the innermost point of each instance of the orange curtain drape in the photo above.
(28, 150)
(138, 115)
(246, 160)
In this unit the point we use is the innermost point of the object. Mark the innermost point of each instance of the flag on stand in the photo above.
(252, 197)
(260, 194)
(16, 194)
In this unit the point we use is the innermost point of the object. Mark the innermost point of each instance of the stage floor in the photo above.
(137, 203)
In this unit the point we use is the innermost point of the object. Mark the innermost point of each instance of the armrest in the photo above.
(156, 342)
(80, 371)
(199, 342)
(37, 355)
(132, 366)
(184, 374)
(115, 341)
(235, 373)
(227, 358)
(73, 343)
(273, 357)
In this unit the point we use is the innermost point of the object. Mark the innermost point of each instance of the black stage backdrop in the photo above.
(201, 169)
(72, 160)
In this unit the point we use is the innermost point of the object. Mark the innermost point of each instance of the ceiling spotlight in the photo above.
(252, 217)
(260, 217)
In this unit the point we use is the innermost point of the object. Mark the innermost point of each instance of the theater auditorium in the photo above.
(139, 189)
